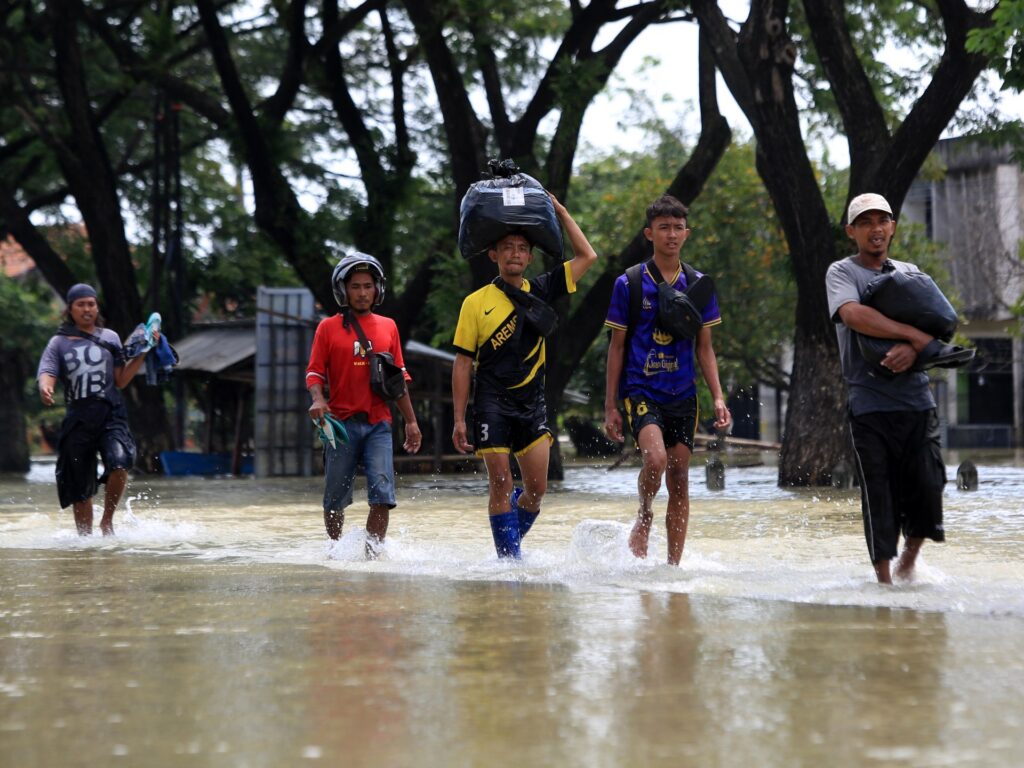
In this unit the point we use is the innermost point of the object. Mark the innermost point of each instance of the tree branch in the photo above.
(862, 116)
(276, 107)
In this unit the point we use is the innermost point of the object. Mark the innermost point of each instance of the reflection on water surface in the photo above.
(218, 628)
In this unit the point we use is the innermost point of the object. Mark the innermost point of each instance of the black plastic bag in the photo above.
(914, 299)
(508, 203)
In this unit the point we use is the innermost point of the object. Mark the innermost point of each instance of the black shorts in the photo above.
(677, 420)
(495, 431)
(902, 476)
(92, 427)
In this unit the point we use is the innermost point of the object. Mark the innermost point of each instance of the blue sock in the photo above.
(505, 530)
(526, 519)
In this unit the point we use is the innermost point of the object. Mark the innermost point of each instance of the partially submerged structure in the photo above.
(250, 380)
(976, 211)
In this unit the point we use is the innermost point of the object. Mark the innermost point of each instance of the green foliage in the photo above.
(1003, 42)
(734, 237)
(737, 239)
(27, 315)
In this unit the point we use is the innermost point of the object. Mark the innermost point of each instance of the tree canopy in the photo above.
(305, 129)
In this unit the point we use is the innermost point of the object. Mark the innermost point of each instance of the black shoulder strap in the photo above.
(350, 317)
(635, 279)
(73, 330)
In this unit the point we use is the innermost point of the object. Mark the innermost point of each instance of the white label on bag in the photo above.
(513, 196)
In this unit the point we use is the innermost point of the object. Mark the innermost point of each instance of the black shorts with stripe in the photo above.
(503, 424)
(902, 476)
(677, 420)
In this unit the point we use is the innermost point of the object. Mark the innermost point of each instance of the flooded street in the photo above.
(218, 628)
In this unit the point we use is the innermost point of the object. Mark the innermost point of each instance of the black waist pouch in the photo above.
(387, 380)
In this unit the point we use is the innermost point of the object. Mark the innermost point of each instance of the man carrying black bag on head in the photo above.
(500, 335)
(660, 319)
(358, 355)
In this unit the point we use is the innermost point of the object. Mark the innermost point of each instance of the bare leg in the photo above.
(333, 520)
(678, 514)
(907, 560)
(83, 517)
(376, 529)
(116, 482)
(534, 466)
(499, 483)
(882, 572)
(652, 448)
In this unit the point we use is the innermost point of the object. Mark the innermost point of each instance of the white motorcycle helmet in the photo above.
(352, 263)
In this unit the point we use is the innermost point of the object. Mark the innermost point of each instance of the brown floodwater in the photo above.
(218, 628)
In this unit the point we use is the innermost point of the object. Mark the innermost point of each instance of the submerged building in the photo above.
(975, 209)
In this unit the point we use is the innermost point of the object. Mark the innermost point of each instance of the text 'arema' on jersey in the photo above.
(509, 355)
(655, 364)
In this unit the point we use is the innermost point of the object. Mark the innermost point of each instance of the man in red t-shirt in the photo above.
(339, 360)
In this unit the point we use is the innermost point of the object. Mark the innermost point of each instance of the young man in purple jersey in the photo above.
(654, 374)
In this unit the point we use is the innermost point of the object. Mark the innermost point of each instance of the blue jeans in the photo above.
(369, 444)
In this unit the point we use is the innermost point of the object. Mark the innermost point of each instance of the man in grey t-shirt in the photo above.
(892, 418)
(89, 362)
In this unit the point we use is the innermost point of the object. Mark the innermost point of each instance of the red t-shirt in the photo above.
(338, 360)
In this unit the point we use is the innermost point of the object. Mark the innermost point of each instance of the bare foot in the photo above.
(374, 548)
(905, 567)
(907, 560)
(639, 536)
(107, 527)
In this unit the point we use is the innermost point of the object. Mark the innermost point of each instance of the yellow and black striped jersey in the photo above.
(509, 355)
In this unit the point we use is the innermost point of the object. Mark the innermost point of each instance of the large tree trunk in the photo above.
(758, 66)
(90, 174)
(278, 213)
(815, 413)
(14, 446)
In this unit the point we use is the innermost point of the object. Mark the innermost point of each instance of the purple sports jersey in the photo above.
(655, 365)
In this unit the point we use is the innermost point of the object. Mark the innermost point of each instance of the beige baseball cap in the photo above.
(866, 202)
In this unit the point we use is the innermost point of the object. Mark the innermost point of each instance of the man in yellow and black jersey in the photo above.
(500, 335)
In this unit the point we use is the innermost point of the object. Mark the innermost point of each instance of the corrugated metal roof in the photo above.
(213, 350)
(413, 347)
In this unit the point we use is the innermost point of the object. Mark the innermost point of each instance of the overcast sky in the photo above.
(672, 84)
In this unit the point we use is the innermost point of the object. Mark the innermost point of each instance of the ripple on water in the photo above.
(751, 540)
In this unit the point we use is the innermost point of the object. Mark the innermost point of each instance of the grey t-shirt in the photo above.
(846, 281)
(84, 369)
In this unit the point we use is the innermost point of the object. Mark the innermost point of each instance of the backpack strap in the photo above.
(635, 280)
(691, 275)
(690, 272)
